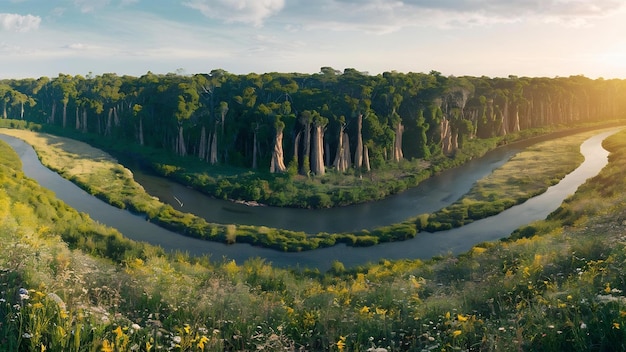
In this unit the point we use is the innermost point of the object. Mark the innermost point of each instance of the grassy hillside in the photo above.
(555, 285)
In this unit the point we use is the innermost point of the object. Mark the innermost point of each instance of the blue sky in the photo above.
(494, 38)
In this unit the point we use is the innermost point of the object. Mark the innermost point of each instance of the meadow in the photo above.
(69, 284)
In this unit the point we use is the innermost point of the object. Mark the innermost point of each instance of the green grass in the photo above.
(556, 285)
(527, 174)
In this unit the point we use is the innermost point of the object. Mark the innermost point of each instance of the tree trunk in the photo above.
(342, 158)
(516, 127)
(202, 145)
(64, 114)
(116, 118)
(213, 149)
(358, 153)
(504, 113)
(278, 160)
(84, 124)
(397, 150)
(54, 108)
(317, 157)
(180, 143)
(296, 147)
(140, 130)
(446, 136)
(366, 159)
(77, 122)
(107, 130)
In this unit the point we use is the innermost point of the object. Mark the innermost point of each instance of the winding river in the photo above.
(431, 195)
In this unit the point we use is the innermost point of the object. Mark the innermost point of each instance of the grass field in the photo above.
(556, 285)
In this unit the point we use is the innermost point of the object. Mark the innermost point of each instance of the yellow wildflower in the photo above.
(107, 346)
(187, 329)
(203, 340)
(38, 305)
(462, 318)
(616, 326)
(365, 310)
(341, 344)
(456, 333)
(381, 311)
(622, 313)
(118, 332)
(447, 315)
(607, 288)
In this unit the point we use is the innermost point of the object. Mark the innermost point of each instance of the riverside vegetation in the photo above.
(102, 176)
(69, 284)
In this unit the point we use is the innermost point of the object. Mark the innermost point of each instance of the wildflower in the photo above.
(187, 329)
(502, 328)
(38, 305)
(381, 311)
(583, 326)
(177, 339)
(569, 297)
(456, 333)
(148, 346)
(447, 315)
(203, 340)
(135, 327)
(107, 346)
(607, 288)
(23, 294)
(462, 318)
(365, 310)
(622, 313)
(118, 332)
(27, 335)
(616, 326)
(341, 344)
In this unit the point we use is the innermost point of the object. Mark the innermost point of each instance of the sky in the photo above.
(494, 38)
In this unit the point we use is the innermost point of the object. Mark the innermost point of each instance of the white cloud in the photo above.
(87, 6)
(385, 16)
(243, 11)
(19, 23)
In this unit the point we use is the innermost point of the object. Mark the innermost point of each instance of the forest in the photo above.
(307, 124)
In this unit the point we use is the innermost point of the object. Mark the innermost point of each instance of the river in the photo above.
(437, 192)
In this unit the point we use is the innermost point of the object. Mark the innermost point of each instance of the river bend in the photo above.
(432, 195)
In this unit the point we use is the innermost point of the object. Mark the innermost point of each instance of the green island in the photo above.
(74, 285)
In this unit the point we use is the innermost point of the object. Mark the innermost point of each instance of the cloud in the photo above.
(87, 6)
(19, 23)
(243, 11)
(384, 16)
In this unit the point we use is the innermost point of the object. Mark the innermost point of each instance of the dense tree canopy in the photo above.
(330, 119)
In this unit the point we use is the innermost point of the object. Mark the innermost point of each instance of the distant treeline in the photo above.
(306, 123)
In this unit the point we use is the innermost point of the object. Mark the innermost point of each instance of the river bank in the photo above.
(423, 246)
